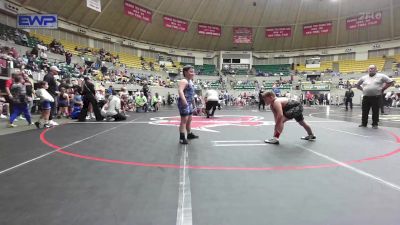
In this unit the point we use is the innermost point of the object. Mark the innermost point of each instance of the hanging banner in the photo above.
(209, 30)
(365, 19)
(277, 32)
(318, 28)
(175, 23)
(242, 35)
(94, 4)
(137, 11)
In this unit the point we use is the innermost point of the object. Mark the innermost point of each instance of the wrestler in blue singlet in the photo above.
(189, 95)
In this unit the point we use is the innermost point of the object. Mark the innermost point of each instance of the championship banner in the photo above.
(364, 20)
(315, 87)
(137, 11)
(94, 4)
(175, 23)
(209, 30)
(242, 35)
(318, 28)
(277, 32)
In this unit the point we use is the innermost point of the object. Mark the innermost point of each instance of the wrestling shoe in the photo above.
(192, 136)
(183, 141)
(273, 140)
(309, 137)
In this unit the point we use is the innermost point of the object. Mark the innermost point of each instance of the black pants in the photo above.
(369, 102)
(347, 101)
(53, 110)
(96, 110)
(261, 103)
(211, 105)
(119, 117)
(382, 104)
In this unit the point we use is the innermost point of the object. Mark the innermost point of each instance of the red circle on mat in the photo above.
(175, 166)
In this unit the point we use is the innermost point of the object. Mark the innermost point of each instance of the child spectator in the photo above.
(78, 103)
(6, 106)
(63, 103)
(20, 101)
(45, 99)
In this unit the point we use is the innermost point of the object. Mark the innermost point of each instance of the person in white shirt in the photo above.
(372, 85)
(45, 100)
(112, 109)
(211, 99)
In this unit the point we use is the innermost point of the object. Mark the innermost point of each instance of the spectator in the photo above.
(19, 100)
(141, 103)
(349, 98)
(45, 106)
(112, 109)
(49, 78)
(156, 101)
(4, 106)
(68, 57)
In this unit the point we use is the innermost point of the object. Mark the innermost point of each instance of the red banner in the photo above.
(318, 28)
(242, 35)
(210, 30)
(276, 32)
(175, 23)
(364, 20)
(138, 12)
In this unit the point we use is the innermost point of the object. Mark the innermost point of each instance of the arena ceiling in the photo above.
(257, 14)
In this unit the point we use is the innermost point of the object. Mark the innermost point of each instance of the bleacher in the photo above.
(353, 66)
(129, 60)
(273, 69)
(215, 85)
(10, 33)
(68, 46)
(245, 86)
(241, 72)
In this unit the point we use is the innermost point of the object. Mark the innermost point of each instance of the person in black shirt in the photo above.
(88, 94)
(261, 100)
(349, 98)
(29, 90)
(68, 57)
(145, 90)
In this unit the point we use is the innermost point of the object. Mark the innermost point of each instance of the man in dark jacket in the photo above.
(88, 94)
(349, 98)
